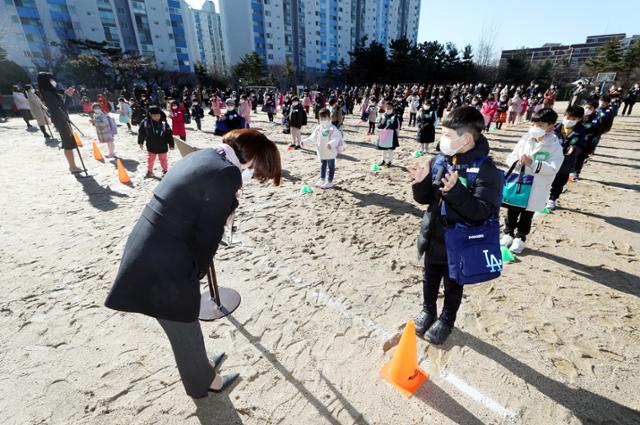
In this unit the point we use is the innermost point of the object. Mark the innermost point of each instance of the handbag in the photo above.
(385, 139)
(517, 188)
(473, 251)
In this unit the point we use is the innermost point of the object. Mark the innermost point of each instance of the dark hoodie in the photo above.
(463, 206)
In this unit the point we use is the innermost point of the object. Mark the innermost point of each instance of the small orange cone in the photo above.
(96, 153)
(122, 174)
(403, 371)
(77, 139)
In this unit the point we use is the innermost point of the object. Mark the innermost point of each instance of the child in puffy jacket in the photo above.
(327, 140)
(540, 153)
(105, 127)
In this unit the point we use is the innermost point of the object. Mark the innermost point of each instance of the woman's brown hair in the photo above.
(250, 144)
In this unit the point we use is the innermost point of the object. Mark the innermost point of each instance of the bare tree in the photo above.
(486, 54)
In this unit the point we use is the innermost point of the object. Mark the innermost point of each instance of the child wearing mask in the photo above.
(462, 144)
(591, 124)
(571, 135)
(372, 110)
(124, 112)
(105, 127)
(426, 126)
(245, 109)
(414, 106)
(297, 120)
(177, 120)
(389, 122)
(503, 106)
(489, 110)
(540, 153)
(158, 137)
(197, 113)
(327, 140)
(231, 120)
(515, 105)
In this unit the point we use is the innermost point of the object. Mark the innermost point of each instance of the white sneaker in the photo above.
(506, 240)
(327, 185)
(517, 246)
(575, 177)
(320, 183)
(551, 205)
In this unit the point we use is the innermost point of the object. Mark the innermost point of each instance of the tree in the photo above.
(609, 59)
(516, 69)
(250, 68)
(368, 63)
(288, 72)
(486, 50)
(631, 64)
(86, 70)
(10, 74)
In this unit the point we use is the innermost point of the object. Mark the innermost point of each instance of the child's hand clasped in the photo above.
(419, 173)
(449, 181)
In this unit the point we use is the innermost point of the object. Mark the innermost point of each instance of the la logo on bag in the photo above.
(493, 263)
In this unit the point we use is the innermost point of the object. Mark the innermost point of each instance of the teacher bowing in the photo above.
(173, 242)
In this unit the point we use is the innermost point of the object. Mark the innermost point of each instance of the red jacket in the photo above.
(177, 122)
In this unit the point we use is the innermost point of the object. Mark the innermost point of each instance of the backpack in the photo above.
(473, 251)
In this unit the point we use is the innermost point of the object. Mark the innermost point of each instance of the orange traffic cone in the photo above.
(77, 139)
(403, 371)
(96, 153)
(122, 174)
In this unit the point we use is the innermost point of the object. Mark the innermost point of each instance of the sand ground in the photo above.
(326, 278)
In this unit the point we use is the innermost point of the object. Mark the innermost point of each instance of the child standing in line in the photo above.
(572, 138)
(515, 104)
(177, 120)
(245, 109)
(158, 137)
(372, 110)
(426, 126)
(197, 113)
(503, 105)
(124, 111)
(389, 122)
(488, 111)
(523, 109)
(105, 127)
(540, 153)
(327, 140)
(297, 120)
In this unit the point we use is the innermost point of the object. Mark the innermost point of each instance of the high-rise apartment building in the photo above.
(312, 33)
(169, 31)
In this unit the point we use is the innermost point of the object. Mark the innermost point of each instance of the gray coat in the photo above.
(37, 109)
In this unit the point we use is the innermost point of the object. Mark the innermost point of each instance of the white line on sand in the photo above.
(368, 324)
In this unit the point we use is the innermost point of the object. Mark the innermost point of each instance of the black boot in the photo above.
(424, 322)
(439, 332)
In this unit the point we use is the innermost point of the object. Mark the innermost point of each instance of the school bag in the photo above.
(517, 188)
(385, 138)
(473, 251)
(112, 126)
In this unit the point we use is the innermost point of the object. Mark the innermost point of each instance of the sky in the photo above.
(512, 22)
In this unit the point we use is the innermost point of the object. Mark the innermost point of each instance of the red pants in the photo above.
(164, 162)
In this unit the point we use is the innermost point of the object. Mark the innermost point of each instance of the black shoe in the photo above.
(297, 147)
(424, 322)
(438, 333)
(227, 380)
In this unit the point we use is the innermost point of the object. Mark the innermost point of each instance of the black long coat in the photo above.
(59, 118)
(176, 237)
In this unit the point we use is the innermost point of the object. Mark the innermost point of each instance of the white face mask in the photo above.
(445, 146)
(569, 123)
(295, 103)
(325, 123)
(588, 111)
(247, 175)
(536, 132)
(53, 83)
(97, 111)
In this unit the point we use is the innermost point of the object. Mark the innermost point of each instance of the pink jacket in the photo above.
(489, 108)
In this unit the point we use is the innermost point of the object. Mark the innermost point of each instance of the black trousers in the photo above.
(630, 105)
(580, 161)
(372, 127)
(518, 219)
(558, 184)
(433, 274)
(412, 119)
